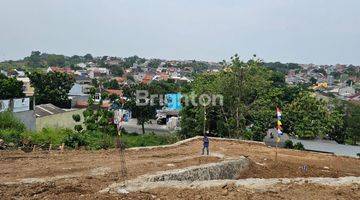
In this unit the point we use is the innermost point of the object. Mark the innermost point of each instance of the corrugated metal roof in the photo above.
(46, 110)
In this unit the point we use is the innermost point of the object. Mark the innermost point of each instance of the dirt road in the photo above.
(81, 174)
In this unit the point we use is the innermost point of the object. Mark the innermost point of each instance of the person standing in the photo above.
(205, 145)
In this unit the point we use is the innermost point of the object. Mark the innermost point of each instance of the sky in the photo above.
(302, 31)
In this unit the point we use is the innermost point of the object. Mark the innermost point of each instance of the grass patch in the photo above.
(91, 140)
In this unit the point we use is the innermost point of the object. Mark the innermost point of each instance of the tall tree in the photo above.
(10, 88)
(52, 88)
(308, 117)
(352, 122)
(55, 60)
(143, 113)
(34, 60)
(88, 57)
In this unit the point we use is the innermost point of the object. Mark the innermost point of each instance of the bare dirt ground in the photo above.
(82, 174)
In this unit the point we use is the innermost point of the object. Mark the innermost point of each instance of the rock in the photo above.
(122, 191)
(326, 167)
(11, 144)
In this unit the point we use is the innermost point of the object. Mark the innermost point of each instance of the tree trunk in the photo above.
(143, 127)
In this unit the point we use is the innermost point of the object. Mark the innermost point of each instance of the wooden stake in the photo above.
(276, 147)
(276, 152)
(62, 147)
(34, 148)
(50, 147)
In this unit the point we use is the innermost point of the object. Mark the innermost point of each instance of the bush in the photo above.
(11, 136)
(248, 135)
(78, 128)
(299, 146)
(47, 136)
(76, 117)
(97, 140)
(92, 140)
(74, 140)
(289, 144)
(9, 121)
(358, 154)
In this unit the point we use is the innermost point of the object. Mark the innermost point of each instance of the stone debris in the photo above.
(100, 171)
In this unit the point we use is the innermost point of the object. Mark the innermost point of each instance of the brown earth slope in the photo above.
(81, 174)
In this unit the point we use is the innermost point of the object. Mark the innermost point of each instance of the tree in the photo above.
(143, 113)
(34, 60)
(55, 60)
(97, 119)
(112, 84)
(308, 117)
(116, 70)
(352, 123)
(88, 57)
(154, 63)
(52, 88)
(129, 62)
(10, 88)
(77, 119)
(249, 100)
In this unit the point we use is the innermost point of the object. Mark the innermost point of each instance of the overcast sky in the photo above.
(303, 31)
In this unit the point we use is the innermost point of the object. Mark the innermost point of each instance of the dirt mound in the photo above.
(81, 174)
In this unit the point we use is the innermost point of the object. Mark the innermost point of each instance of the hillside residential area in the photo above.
(179, 99)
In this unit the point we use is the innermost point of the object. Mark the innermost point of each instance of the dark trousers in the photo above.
(207, 150)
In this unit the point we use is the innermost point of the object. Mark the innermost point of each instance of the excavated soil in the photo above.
(82, 174)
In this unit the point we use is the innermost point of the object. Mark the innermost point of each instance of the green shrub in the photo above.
(47, 136)
(78, 128)
(11, 136)
(96, 140)
(248, 135)
(76, 117)
(299, 146)
(289, 144)
(74, 140)
(358, 154)
(9, 121)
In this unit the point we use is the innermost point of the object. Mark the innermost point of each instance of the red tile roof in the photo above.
(147, 79)
(62, 70)
(116, 92)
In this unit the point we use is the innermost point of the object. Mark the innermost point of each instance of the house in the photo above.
(118, 93)
(120, 80)
(98, 72)
(147, 79)
(15, 105)
(82, 79)
(27, 89)
(67, 70)
(178, 79)
(346, 91)
(81, 65)
(50, 116)
(79, 92)
(21, 110)
(161, 76)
